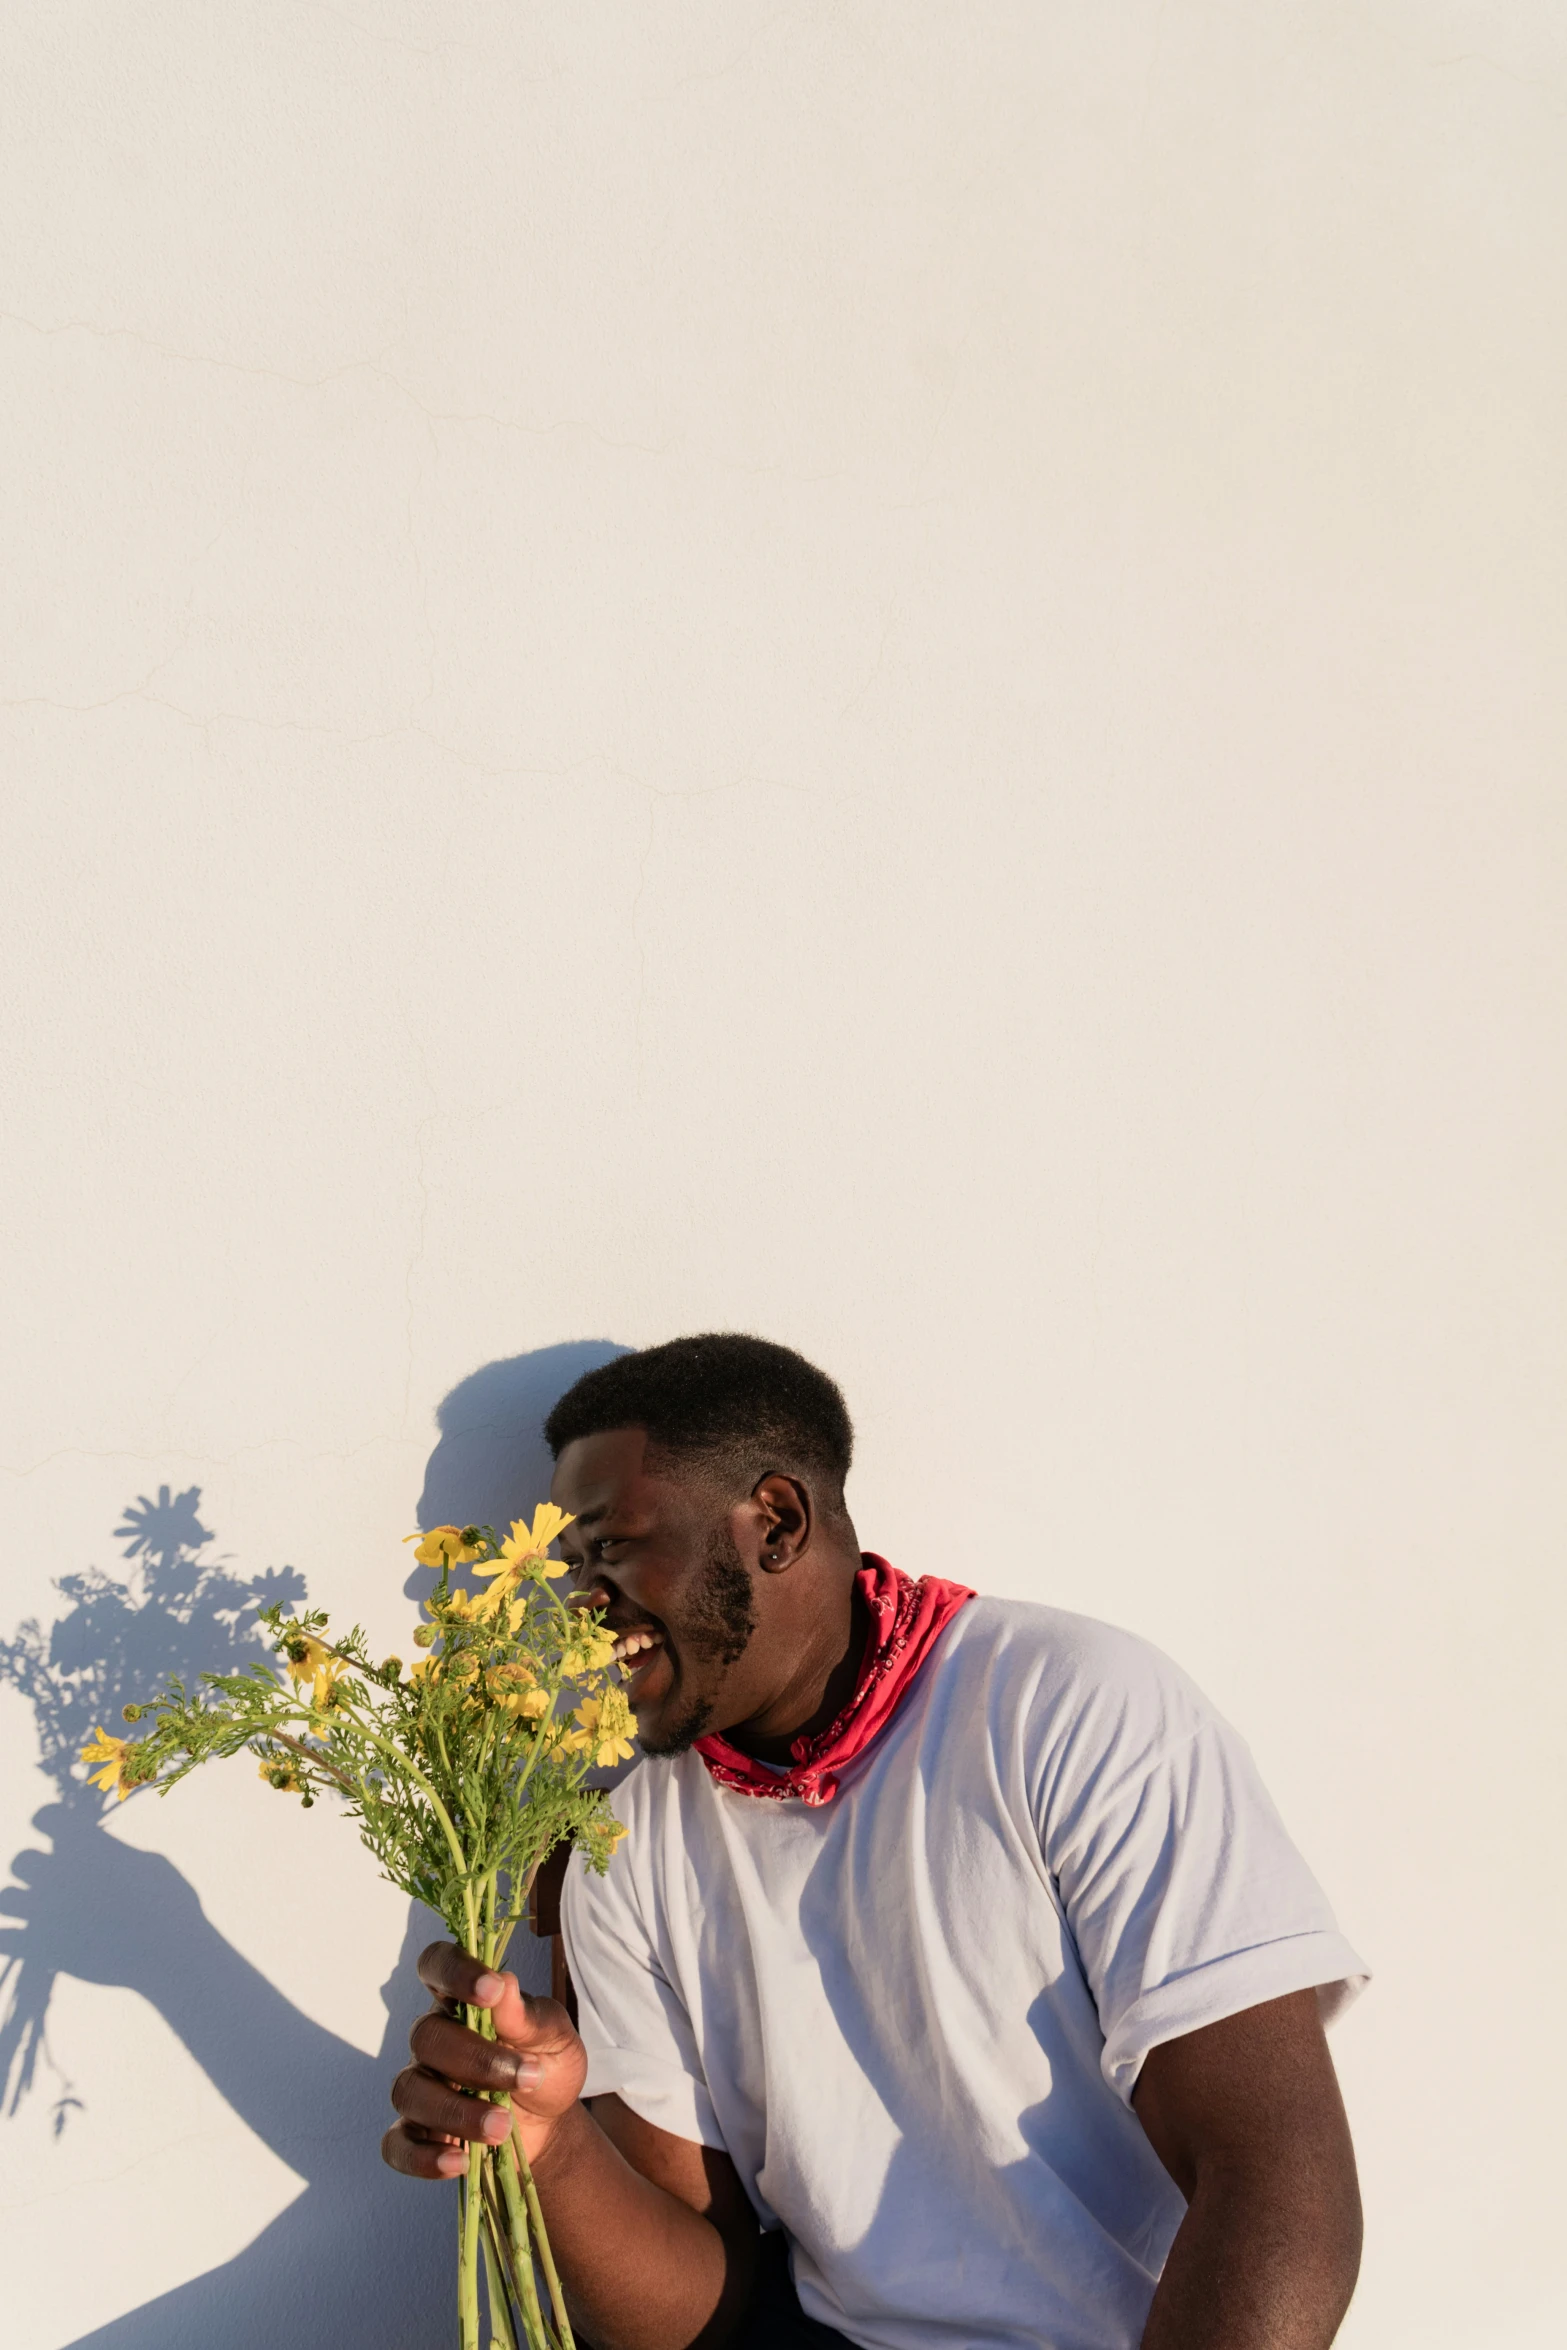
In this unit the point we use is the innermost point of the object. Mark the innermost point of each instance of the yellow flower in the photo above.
(516, 1670)
(504, 1681)
(608, 1836)
(602, 1726)
(328, 1673)
(521, 1555)
(548, 1523)
(425, 1664)
(592, 1647)
(515, 1689)
(447, 1546)
(303, 1657)
(489, 1603)
(111, 1752)
(615, 1717)
(284, 1776)
(526, 1545)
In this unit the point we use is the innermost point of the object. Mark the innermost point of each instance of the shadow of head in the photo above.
(491, 1463)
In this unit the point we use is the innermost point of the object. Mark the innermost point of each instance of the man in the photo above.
(956, 1982)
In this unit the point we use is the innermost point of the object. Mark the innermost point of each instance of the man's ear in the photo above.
(785, 1520)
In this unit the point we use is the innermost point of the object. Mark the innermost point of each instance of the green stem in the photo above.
(542, 2241)
(487, 1740)
(545, 1722)
(533, 2328)
(468, 2253)
(479, 1909)
(317, 1762)
(475, 1770)
(495, 2277)
(521, 2247)
(404, 1762)
(518, 1911)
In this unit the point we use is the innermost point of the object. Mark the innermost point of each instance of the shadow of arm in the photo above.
(107, 1913)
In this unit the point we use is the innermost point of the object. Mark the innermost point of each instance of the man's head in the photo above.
(706, 1480)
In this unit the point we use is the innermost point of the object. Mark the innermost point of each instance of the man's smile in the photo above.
(647, 1665)
(640, 1644)
(630, 1642)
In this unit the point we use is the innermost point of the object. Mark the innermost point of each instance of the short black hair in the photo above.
(741, 1404)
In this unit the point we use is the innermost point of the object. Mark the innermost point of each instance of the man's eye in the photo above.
(608, 1542)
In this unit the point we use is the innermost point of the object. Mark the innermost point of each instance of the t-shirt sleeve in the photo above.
(633, 2021)
(1186, 1900)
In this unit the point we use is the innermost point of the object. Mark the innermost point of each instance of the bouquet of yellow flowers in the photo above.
(464, 1773)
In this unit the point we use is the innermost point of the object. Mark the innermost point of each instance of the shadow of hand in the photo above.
(94, 1907)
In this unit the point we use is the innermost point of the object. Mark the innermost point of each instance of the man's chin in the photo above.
(665, 1731)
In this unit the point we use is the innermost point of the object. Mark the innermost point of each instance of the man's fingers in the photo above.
(535, 2058)
(523, 2022)
(451, 1974)
(432, 2105)
(460, 1981)
(417, 2157)
(444, 2046)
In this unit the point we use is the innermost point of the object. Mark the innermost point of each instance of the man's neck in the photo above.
(817, 1694)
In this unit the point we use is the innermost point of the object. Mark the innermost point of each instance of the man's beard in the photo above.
(716, 1631)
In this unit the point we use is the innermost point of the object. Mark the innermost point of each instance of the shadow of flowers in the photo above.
(175, 1610)
(356, 2257)
(350, 2258)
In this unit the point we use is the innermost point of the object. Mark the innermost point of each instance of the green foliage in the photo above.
(464, 1773)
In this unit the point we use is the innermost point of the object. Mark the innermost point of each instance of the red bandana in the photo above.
(906, 1618)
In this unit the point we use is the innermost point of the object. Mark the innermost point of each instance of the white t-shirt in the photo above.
(913, 2017)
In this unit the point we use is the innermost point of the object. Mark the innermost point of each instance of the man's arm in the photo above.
(1247, 2119)
(654, 2237)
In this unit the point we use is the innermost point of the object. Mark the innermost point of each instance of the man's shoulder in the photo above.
(1056, 1643)
(1002, 1668)
(1066, 1676)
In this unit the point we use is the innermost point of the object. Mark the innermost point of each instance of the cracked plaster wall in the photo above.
(886, 673)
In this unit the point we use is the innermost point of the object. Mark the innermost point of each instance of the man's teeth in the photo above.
(631, 1644)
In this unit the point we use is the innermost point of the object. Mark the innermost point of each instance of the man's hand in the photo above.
(1247, 2119)
(535, 2056)
(654, 2236)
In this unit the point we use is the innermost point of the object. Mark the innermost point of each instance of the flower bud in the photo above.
(391, 1669)
(424, 1636)
(132, 1713)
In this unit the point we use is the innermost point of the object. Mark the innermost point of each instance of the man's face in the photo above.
(661, 1552)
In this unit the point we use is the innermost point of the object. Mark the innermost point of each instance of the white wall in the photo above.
(890, 674)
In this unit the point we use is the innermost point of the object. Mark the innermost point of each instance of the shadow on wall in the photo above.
(357, 2256)
(492, 1463)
